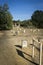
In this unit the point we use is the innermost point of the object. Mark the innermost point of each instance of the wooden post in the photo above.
(33, 50)
(40, 53)
(40, 61)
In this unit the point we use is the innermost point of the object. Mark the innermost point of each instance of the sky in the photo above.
(23, 9)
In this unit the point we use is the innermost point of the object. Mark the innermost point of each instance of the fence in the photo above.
(40, 46)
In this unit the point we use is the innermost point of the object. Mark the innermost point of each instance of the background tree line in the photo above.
(36, 20)
(6, 21)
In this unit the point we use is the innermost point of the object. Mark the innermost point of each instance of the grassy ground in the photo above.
(11, 51)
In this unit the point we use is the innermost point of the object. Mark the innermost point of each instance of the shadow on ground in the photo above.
(21, 53)
(18, 46)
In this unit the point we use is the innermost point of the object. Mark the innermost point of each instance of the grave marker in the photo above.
(24, 43)
(24, 31)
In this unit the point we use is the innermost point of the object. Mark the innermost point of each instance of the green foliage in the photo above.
(37, 19)
(5, 17)
(24, 23)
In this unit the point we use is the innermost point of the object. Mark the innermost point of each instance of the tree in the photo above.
(5, 7)
(5, 17)
(37, 18)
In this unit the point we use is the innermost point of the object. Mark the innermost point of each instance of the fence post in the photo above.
(33, 50)
(40, 53)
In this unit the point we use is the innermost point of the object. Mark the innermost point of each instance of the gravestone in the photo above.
(18, 31)
(24, 31)
(38, 30)
(24, 43)
(31, 30)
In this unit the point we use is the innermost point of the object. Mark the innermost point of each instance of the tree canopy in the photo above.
(37, 18)
(5, 17)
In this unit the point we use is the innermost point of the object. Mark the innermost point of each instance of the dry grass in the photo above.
(11, 52)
